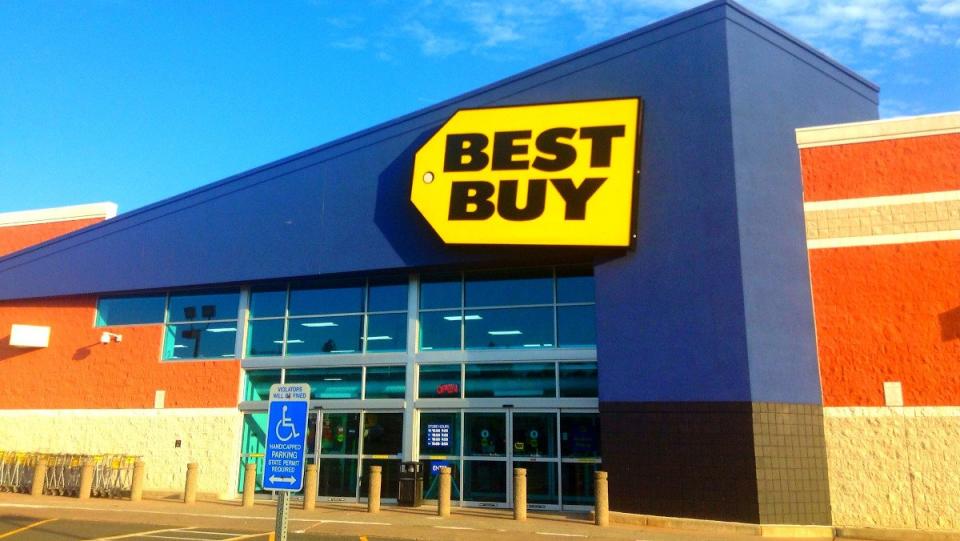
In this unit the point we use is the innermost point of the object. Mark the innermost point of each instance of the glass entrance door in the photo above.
(351, 442)
(485, 457)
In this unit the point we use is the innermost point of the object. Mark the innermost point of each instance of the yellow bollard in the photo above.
(136, 485)
(86, 480)
(373, 495)
(190, 489)
(39, 476)
(249, 483)
(602, 506)
(443, 493)
(310, 487)
(519, 494)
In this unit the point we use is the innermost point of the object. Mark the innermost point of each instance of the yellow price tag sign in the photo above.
(560, 174)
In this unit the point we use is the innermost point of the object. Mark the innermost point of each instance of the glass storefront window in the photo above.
(440, 434)
(389, 477)
(440, 292)
(200, 341)
(484, 481)
(440, 330)
(509, 328)
(439, 381)
(386, 332)
(337, 477)
(578, 380)
(258, 382)
(431, 478)
(485, 434)
(386, 382)
(341, 297)
(575, 285)
(580, 435)
(268, 302)
(203, 306)
(324, 335)
(510, 380)
(252, 446)
(578, 483)
(339, 433)
(139, 310)
(508, 288)
(576, 326)
(328, 383)
(388, 295)
(265, 338)
(382, 433)
(542, 486)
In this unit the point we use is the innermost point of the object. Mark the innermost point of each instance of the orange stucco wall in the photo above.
(18, 237)
(888, 313)
(77, 371)
(888, 167)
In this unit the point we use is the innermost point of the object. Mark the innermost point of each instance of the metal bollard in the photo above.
(602, 506)
(519, 494)
(310, 487)
(443, 492)
(190, 489)
(39, 476)
(373, 496)
(136, 484)
(86, 480)
(249, 483)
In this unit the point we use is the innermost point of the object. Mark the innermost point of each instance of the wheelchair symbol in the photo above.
(286, 423)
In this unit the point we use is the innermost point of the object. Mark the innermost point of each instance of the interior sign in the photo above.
(557, 174)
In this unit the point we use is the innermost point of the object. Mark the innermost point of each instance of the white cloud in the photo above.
(942, 8)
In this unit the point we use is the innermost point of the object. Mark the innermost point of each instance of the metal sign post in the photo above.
(286, 451)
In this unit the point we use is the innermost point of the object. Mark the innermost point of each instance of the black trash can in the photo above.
(411, 484)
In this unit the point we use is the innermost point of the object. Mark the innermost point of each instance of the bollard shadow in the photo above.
(950, 324)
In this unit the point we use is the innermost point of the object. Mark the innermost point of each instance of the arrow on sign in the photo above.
(289, 480)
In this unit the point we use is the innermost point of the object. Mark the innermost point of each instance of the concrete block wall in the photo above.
(882, 208)
(207, 436)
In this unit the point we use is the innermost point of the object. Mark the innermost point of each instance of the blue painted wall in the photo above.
(713, 304)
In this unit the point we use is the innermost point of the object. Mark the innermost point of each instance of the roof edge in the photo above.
(879, 130)
(105, 210)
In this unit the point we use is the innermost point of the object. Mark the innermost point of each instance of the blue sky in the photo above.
(136, 101)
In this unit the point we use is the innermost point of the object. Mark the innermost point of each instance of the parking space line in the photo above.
(251, 536)
(27, 527)
(173, 537)
(135, 534)
(228, 534)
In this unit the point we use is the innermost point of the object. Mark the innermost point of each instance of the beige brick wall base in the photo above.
(894, 467)
(210, 437)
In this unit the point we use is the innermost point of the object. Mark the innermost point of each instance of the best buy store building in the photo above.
(597, 263)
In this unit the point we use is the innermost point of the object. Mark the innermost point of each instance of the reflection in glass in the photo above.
(439, 381)
(576, 326)
(484, 434)
(386, 382)
(440, 291)
(575, 285)
(386, 332)
(203, 306)
(328, 383)
(258, 384)
(484, 481)
(341, 297)
(510, 379)
(200, 341)
(527, 328)
(265, 338)
(440, 330)
(440, 433)
(535, 434)
(339, 434)
(578, 380)
(337, 477)
(268, 302)
(578, 483)
(130, 310)
(324, 335)
(388, 295)
(508, 288)
(382, 433)
(580, 435)
(542, 487)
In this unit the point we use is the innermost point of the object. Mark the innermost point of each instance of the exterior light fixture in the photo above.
(107, 337)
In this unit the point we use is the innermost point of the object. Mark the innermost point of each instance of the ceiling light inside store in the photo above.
(223, 329)
(471, 317)
(504, 333)
(383, 337)
(319, 324)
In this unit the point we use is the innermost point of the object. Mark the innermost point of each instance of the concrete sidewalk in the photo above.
(465, 524)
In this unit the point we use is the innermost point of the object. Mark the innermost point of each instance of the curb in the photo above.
(889, 534)
(716, 526)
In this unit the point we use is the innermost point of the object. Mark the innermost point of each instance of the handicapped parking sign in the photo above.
(286, 450)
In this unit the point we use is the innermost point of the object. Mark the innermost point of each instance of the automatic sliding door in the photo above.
(339, 446)
(485, 457)
(535, 449)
